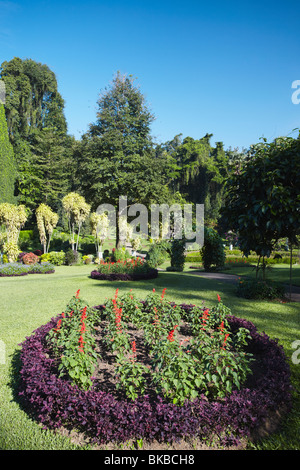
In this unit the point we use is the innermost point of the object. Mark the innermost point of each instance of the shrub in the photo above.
(157, 254)
(30, 258)
(212, 252)
(56, 258)
(20, 256)
(72, 257)
(258, 289)
(87, 259)
(177, 251)
(120, 254)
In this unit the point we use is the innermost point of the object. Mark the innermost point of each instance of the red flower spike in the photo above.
(77, 294)
(171, 334)
(219, 298)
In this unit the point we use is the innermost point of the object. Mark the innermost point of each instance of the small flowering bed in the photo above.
(150, 369)
(124, 270)
(18, 269)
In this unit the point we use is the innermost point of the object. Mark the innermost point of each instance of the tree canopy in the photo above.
(7, 162)
(263, 200)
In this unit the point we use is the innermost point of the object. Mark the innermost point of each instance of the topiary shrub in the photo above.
(213, 251)
(177, 252)
(72, 257)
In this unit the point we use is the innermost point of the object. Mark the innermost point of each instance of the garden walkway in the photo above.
(233, 278)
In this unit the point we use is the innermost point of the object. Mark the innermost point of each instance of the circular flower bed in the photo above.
(125, 270)
(60, 391)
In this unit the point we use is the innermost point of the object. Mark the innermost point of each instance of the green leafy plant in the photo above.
(131, 374)
(73, 343)
(212, 252)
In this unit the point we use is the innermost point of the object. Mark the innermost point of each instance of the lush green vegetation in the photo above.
(7, 163)
(18, 431)
(52, 183)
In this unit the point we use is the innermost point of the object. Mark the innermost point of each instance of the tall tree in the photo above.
(199, 171)
(32, 98)
(7, 163)
(117, 155)
(38, 132)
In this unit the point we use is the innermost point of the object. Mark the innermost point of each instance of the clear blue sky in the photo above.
(223, 67)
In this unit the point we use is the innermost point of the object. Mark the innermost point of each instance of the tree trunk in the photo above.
(291, 265)
(257, 267)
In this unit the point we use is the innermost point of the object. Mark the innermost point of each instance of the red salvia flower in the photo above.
(81, 343)
(171, 334)
(221, 327)
(204, 318)
(225, 339)
(58, 326)
(77, 294)
(219, 298)
(163, 293)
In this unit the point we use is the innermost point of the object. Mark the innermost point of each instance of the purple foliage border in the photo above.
(151, 274)
(55, 402)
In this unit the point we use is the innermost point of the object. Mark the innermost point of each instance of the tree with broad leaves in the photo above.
(263, 200)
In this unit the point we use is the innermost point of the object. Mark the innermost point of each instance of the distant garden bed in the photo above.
(127, 270)
(19, 269)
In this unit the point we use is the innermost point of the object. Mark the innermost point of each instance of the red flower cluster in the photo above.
(118, 312)
(82, 330)
(171, 334)
(163, 293)
(156, 318)
(225, 339)
(204, 318)
(58, 326)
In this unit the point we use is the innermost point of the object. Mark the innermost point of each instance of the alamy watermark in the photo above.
(296, 94)
(2, 92)
(163, 221)
(296, 354)
(2, 352)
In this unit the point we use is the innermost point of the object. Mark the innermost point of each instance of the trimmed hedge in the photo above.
(151, 274)
(55, 402)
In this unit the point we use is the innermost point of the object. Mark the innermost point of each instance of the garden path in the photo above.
(233, 278)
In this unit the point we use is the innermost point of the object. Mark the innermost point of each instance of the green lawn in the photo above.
(31, 301)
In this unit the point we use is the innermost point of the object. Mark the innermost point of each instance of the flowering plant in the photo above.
(73, 344)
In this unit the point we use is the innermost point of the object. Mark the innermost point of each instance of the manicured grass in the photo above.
(31, 301)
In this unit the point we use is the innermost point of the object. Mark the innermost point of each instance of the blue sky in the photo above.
(224, 68)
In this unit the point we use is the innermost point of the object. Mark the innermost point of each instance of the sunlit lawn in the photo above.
(31, 301)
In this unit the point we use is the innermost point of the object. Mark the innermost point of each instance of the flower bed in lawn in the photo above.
(148, 369)
(19, 269)
(126, 270)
